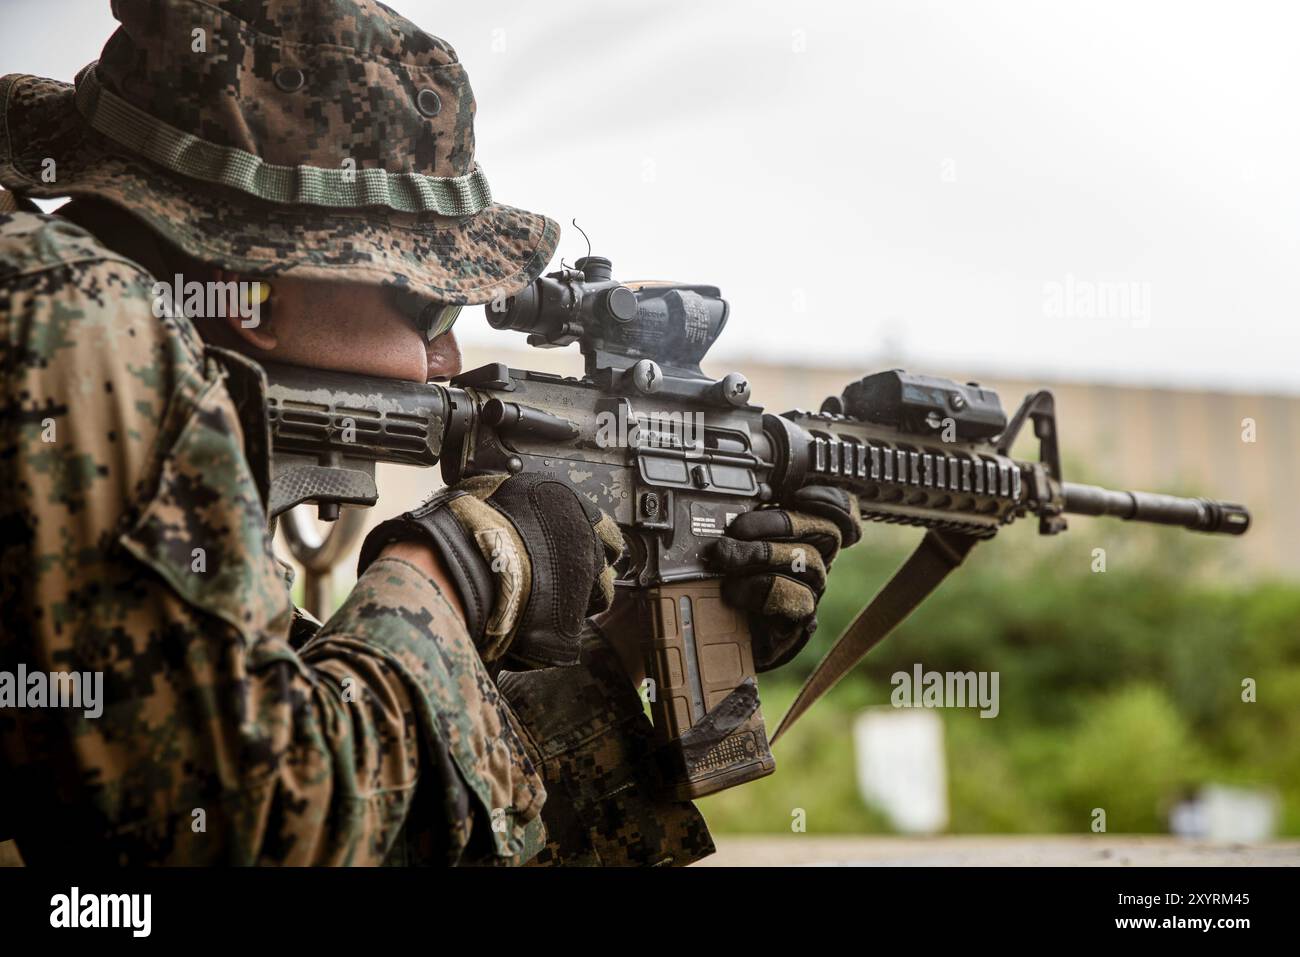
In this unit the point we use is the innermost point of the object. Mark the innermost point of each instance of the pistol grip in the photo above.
(698, 652)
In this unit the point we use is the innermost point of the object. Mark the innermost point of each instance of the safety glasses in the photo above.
(435, 319)
(430, 319)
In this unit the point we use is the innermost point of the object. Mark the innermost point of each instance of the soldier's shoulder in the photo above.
(33, 243)
(58, 282)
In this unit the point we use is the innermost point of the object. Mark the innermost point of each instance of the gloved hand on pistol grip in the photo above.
(530, 558)
(774, 562)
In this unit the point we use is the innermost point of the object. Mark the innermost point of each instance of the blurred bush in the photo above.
(1119, 689)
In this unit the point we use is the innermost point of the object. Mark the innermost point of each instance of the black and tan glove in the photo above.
(775, 560)
(530, 558)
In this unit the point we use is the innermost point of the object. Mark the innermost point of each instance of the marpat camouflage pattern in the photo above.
(356, 117)
(585, 726)
(329, 140)
(135, 544)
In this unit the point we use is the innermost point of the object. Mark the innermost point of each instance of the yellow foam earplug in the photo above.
(259, 292)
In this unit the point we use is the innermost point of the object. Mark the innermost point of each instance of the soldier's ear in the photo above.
(253, 325)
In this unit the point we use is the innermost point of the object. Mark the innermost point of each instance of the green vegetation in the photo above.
(1120, 689)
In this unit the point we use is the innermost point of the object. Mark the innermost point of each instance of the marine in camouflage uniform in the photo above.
(207, 707)
(327, 140)
(323, 139)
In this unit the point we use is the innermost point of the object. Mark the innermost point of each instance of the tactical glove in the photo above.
(530, 558)
(774, 561)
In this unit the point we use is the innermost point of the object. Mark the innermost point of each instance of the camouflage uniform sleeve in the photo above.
(587, 730)
(134, 551)
(396, 622)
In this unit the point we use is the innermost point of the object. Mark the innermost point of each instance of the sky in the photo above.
(1104, 191)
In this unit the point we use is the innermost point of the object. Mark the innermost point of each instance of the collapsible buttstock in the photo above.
(698, 654)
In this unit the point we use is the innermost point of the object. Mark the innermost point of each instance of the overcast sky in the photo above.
(1100, 190)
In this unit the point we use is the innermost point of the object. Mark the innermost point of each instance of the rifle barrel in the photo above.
(1198, 514)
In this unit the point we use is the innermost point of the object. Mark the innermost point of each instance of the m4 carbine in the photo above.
(673, 456)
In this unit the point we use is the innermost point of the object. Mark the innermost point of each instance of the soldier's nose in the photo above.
(443, 357)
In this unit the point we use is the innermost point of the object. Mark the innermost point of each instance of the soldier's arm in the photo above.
(135, 549)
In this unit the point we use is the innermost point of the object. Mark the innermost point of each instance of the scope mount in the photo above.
(649, 337)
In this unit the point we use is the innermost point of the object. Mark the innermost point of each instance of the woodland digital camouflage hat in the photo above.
(327, 139)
